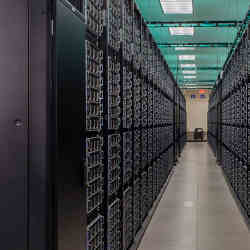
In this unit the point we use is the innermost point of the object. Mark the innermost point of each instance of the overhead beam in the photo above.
(193, 85)
(196, 87)
(198, 84)
(199, 68)
(197, 45)
(201, 24)
(197, 81)
(190, 85)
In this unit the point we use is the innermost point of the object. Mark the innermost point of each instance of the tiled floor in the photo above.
(197, 211)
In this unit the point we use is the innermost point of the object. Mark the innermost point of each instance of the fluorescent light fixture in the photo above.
(184, 48)
(181, 31)
(177, 6)
(189, 77)
(187, 57)
(191, 72)
(188, 65)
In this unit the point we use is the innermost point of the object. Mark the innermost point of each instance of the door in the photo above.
(69, 70)
(14, 89)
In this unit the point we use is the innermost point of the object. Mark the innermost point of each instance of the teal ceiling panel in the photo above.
(203, 10)
(209, 60)
(205, 35)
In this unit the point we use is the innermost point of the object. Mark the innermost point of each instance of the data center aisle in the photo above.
(197, 211)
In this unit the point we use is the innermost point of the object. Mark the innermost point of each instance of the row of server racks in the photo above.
(102, 122)
(228, 121)
(139, 139)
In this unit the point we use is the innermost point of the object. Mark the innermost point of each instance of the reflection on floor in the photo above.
(197, 211)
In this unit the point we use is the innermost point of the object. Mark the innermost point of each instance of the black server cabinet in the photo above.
(68, 127)
(87, 124)
(228, 120)
(14, 124)
(41, 152)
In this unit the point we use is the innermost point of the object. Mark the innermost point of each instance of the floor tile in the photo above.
(197, 211)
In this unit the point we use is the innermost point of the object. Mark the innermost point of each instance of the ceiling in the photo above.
(209, 60)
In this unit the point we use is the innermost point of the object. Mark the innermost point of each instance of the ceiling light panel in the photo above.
(190, 77)
(181, 31)
(187, 57)
(184, 48)
(188, 65)
(190, 72)
(177, 6)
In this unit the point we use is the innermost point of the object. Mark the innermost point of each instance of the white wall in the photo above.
(196, 111)
(196, 115)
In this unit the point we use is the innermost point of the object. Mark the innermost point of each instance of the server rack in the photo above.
(228, 120)
(180, 117)
(39, 97)
(94, 134)
(100, 136)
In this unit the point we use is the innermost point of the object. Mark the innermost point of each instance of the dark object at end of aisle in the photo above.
(197, 136)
